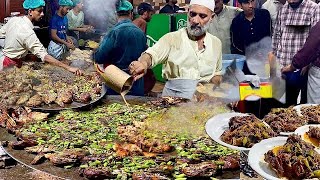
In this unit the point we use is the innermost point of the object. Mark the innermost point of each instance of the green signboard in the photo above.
(159, 25)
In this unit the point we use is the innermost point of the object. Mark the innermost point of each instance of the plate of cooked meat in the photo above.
(285, 158)
(237, 130)
(284, 120)
(311, 134)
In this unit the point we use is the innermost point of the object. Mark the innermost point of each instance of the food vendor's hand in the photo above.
(137, 69)
(75, 70)
(71, 46)
(216, 79)
(288, 68)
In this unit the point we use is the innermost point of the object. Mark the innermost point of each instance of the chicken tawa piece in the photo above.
(34, 101)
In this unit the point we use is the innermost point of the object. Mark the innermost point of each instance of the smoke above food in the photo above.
(101, 13)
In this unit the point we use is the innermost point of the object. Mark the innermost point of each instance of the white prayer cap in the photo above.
(206, 3)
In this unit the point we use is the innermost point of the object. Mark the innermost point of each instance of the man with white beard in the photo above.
(189, 55)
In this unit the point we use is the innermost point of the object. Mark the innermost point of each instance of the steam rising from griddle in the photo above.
(102, 12)
(257, 57)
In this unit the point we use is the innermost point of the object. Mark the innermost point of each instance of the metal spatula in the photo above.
(237, 73)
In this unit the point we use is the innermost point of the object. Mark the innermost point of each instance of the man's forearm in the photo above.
(58, 40)
(146, 59)
(49, 59)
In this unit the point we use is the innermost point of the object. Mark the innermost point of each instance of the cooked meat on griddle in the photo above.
(314, 132)
(97, 173)
(85, 97)
(296, 159)
(66, 157)
(148, 175)
(22, 144)
(49, 96)
(23, 99)
(284, 120)
(204, 169)
(312, 114)
(246, 133)
(230, 162)
(34, 101)
(65, 96)
(16, 86)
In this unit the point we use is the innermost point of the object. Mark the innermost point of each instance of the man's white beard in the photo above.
(199, 31)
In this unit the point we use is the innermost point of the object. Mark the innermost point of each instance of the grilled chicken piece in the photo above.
(40, 149)
(97, 173)
(23, 99)
(85, 97)
(49, 97)
(22, 144)
(38, 116)
(148, 176)
(125, 150)
(162, 169)
(65, 96)
(204, 169)
(40, 158)
(67, 157)
(230, 162)
(34, 101)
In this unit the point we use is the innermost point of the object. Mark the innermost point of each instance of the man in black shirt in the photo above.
(170, 7)
(249, 26)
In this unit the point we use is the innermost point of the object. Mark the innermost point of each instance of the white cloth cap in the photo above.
(206, 3)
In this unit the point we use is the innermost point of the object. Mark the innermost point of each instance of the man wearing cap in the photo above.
(58, 31)
(145, 11)
(20, 38)
(122, 45)
(75, 17)
(189, 55)
(221, 23)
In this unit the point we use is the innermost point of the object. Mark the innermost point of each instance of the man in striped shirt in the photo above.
(294, 21)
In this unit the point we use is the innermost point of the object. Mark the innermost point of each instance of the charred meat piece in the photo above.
(66, 157)
(85, 97)
(23, 99)
(204, 169)
(230, 162)
(38, 159)
(148, 176)
(34, 101)
(314, 132)
(162, 169)
(65, 96)
(97, 173)
(125, 150)
(49, 97)
(22, 144)
(40, 149)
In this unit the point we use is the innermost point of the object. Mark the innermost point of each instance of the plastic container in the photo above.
(227, 59)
